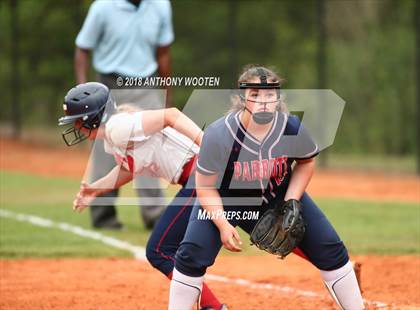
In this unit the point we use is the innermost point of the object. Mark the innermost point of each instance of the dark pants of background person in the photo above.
(151, 197)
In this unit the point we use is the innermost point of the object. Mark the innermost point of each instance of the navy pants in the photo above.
(202, 243)
(169, 231)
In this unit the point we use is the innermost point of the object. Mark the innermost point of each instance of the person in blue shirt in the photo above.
(127, 39)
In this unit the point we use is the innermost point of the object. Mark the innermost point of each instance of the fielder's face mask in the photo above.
(261, 117)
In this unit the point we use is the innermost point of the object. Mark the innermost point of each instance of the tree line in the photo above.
(363, 50)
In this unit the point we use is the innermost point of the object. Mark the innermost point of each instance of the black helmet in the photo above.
(85, 102)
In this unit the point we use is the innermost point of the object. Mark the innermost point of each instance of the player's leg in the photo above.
(168, 234)
(103, 215)
(152, 199)
(169, 231)
(248, 225)
(197, 251)
(324, 249)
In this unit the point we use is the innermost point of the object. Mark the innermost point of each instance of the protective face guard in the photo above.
(262, 85)
(72, 136)
(242, 96)
(263, 117)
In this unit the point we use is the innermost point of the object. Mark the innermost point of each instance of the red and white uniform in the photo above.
(162, 154)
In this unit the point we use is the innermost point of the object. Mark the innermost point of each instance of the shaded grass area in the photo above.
(365, 227)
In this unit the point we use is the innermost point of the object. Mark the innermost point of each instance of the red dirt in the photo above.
(129, 284)
(42, 160)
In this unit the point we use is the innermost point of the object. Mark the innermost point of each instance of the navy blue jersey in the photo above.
(248, 168)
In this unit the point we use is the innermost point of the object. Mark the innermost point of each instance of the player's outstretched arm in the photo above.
(156, 120)
(116, 178)
(301, 175)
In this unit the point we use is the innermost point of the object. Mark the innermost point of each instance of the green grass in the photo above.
(365, 227)
(21, 239)
(51, 198)
(371, 162)
(375, 227)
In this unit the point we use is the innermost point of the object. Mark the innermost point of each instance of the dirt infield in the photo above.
(391, 282)
(129, 284)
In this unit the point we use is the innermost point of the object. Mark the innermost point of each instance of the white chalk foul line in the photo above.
(138, 251)
(140, 254)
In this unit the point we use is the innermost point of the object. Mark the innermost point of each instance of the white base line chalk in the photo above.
(140, 254)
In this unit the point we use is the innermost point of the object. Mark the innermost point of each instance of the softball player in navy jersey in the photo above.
(245, 164)
(160, 143)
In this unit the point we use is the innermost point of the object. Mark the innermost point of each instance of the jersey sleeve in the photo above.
(300, 143)
(210, 160)
(125, 127)
(166, 32)
(92, 28)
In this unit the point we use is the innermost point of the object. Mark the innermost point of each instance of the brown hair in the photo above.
(249, 72)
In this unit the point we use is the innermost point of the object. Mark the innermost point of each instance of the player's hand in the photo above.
(84, 197)
(230, 238)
